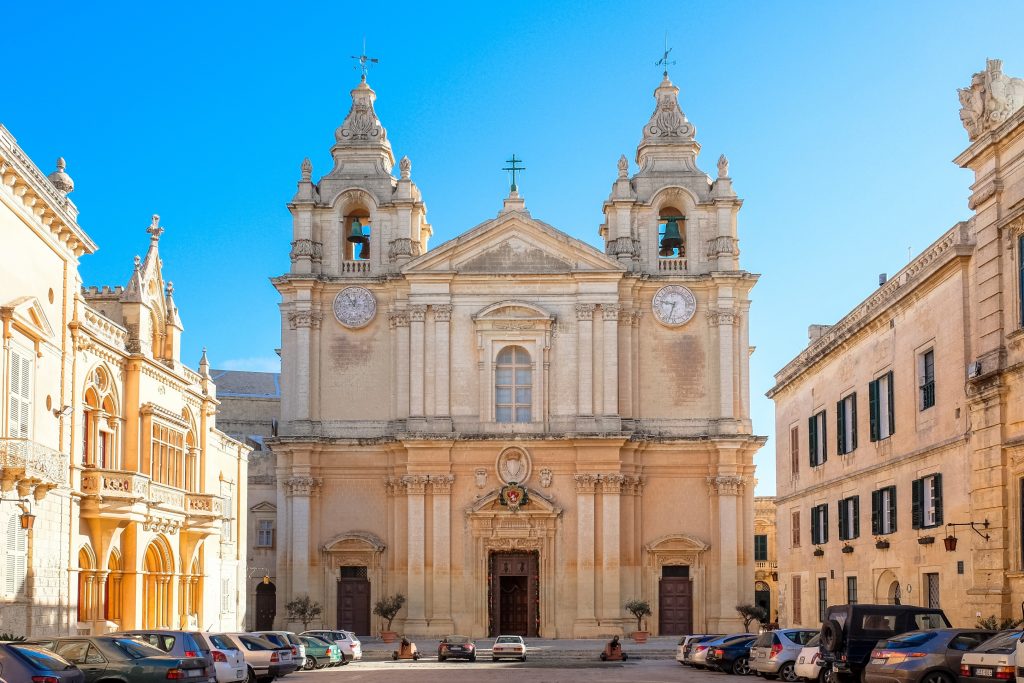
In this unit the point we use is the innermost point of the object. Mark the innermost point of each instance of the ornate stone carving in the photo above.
(722, 317)
(514, 324)
(417, 313)
(612, 483)
(990, 99)
(623, 167)
(668, 120)
(415, 484)
(297, 319)
(513, 465)
(585, 483)
(584, 311)
(506, 544)
(723, 245)
(60, 180)
(623, 245)
(405, 167)
(402, 247)
(545, 477)
(307, 249)
(633, 484)
(442, 312)
(480, 475)
(726, 486)
(441, 483)
(303, 486)
(307, 170)
(610, 311)
(361, 124)
(983, 194)
(723, 167)
(398, 319)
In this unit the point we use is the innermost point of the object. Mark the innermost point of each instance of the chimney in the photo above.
(882, 278)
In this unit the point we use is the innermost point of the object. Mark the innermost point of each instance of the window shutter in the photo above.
(856, 517)
(794, 448)
(20, 402)
(873, 408)
(892, 507)
(824, 524)
(876, 513)
(917, 503)
(853, 419)
(892, 407)
(937, 497)
(812, 439)
(824, 437)
(814, 526)
(840, 428)
(842, 520)
(796, 529)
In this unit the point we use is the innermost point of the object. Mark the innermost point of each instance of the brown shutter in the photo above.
(797, 619)
(794, 448)
(796, 529)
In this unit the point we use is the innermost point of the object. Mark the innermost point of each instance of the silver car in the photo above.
(285, 639)
(264, 660)
(774, 653)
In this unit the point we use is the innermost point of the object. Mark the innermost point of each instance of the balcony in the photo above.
(32, 467)
(116, 493)
(204, 506)
(766, 566)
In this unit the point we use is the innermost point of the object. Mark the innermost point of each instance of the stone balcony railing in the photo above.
(204, 505)
(769, 566)
(30, 466)
(131, 487)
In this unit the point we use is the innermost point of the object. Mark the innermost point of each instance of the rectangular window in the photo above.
(926, 494)
(851, 590)
(760, 548)
(849, 518)
(226, 601)
(1020, 276)
(931, 584)
(927, 371)
(880, 404)
(265, 533)
(822, 598)
(816, 439)
(796, 521)
(797, 595)
(846, 424)
(794, 449)
(819, 524)
(19, 414)
(168, 457)
(883, 511)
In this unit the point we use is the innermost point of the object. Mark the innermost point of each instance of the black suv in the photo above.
(850, 632)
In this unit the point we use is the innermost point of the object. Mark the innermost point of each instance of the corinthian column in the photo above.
(441, 490)
(585, 356)
(611, 550)
(300, 489)
(610, 313)
(442, 365)
(400, 321)
(415, 487)
(727, 489)
(586, 621)
(417, 314)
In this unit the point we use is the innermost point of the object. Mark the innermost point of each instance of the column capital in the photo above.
(612, 483)
(721, 317)
(726, 486)
(584, 311)
(441, 483)
(415, 484)
(610, 311)
(299, 319)
(633, 484)
(442, 312)
(303, 486)
(417, 313)
(398, 319)
(585, 483)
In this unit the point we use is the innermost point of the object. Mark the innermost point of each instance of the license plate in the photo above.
(238, 674)
(983, 673)
(875, 660)
(801, 660)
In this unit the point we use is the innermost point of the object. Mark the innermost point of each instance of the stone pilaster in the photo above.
(441, 613)
(300, 490)
(610, 314)
(442, 364)
(585, 354)
(400, 321)
(726, 491)
(724, 321)
(417, 315)
(415, 487)
(302, 322)
(586, 619)
(611, 548)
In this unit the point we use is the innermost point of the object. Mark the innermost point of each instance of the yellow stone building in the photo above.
(766, 565)
(906, 416)
(516, 430)
(107, 438)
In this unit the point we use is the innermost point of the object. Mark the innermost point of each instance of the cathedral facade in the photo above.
(515, 430)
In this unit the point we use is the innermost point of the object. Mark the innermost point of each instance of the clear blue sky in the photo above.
(840, 120)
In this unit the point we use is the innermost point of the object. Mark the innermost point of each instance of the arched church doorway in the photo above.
(763, 598)
(675, 601)
(514, 593)
(266, 606)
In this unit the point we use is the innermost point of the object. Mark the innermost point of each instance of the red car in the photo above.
(456, 647)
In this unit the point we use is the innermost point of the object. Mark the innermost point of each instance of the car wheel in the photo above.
(523, 658)
(494, 659)
(310, 663)
(472, 658)
(788, 672)
(251, 678)
(741, 666)
(937, 677)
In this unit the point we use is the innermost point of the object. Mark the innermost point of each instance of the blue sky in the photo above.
(839, 119)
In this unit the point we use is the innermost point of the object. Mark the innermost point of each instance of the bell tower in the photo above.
(670, 217)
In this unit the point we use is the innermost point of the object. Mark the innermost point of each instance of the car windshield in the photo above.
(1001, 643)
(508, 639)
(133, 649)
(42, 658)
(255, 644)
(908, 640)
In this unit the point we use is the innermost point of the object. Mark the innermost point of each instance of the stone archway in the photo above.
(157, 589)
(672, 560)
(887, 589)
(353, 579)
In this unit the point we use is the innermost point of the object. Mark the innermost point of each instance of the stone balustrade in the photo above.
(672, 264)
(31, 466)
(204, 505)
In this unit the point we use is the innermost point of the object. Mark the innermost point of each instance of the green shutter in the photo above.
(842, 520)
(873, 408)
(814, 526)
(876, 513)
(856, 516)
(853, 419)
(917, 503)
(892, 408)
(824, 525)
(892, 507)
(812, 440)
(824, 436)
(937, 495)
(840, 430)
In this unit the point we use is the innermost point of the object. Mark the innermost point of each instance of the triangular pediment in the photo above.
(263, 507)
(29, 315)
(513, 243)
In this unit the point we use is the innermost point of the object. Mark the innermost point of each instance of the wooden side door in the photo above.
(354, 605)
(675, 606)
(266, 606)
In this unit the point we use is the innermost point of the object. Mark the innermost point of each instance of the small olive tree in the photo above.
(389, 607)
(303, 609)
(639, 609)
(992, 623)
(750, 613)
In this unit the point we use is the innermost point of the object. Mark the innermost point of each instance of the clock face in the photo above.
(355, 306)
(674, 305)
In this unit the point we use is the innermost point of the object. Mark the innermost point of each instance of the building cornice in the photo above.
(990, 139)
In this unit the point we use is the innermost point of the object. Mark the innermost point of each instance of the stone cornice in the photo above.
(990, 138)
(955, 242)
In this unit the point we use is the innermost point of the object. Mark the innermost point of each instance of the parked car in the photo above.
(732, 656)
(264, 661)
(320, 653)
(509, 646)
(347, 641)
(809, 664)
(28, 662)
(456, 647)
(124, 658)
(774, 653)
(228, 660)
(996, 658)
(699, 657)
(177, 644)
(849, 632)
(686, 644)
(286, 639)
(922, 656)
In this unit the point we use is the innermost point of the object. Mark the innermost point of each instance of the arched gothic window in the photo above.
(671, 233)
(101, 424)
(513, 385)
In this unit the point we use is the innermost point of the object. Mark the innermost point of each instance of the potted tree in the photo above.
(386, 608)
(639, 609)
(303, 609)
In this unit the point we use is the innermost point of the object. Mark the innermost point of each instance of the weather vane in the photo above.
(664, 62)
(365, 62)
(515, 169)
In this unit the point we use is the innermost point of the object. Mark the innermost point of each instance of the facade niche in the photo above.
(356, 232)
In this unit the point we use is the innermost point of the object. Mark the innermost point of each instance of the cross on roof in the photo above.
(515, 169)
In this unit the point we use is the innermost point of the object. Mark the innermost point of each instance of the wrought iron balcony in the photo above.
(927, 395)
(30, 466)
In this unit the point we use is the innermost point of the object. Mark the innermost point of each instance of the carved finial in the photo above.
(307, 169)
(623, 167)
(723, 167)
(138, 261)
(60, 180)
(204, 365)
(155, 230)
(170, 288)
(405, 166)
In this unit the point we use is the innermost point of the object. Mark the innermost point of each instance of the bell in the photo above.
(364, 249)
(672, 239)
(357, 235)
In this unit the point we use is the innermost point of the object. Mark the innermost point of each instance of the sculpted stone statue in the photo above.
(623, 166)
(405, 166)
(990, 99)
(723, 167)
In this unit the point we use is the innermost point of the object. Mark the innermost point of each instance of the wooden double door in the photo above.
(675, 606)
(513, 594)
(354, 604)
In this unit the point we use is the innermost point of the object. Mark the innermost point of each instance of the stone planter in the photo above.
(640, 637)
(882, 545)
(847, 549)
(389, 636)
(818, 552)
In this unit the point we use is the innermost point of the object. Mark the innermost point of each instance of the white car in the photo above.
(347, 641)
(264, 659)
(227, 659)
(509, 646)
(996, 658)
(809, 666)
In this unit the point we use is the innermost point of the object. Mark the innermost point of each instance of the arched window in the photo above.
(101, 425)
(355, 232)
(513, 385)
(671, 233)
